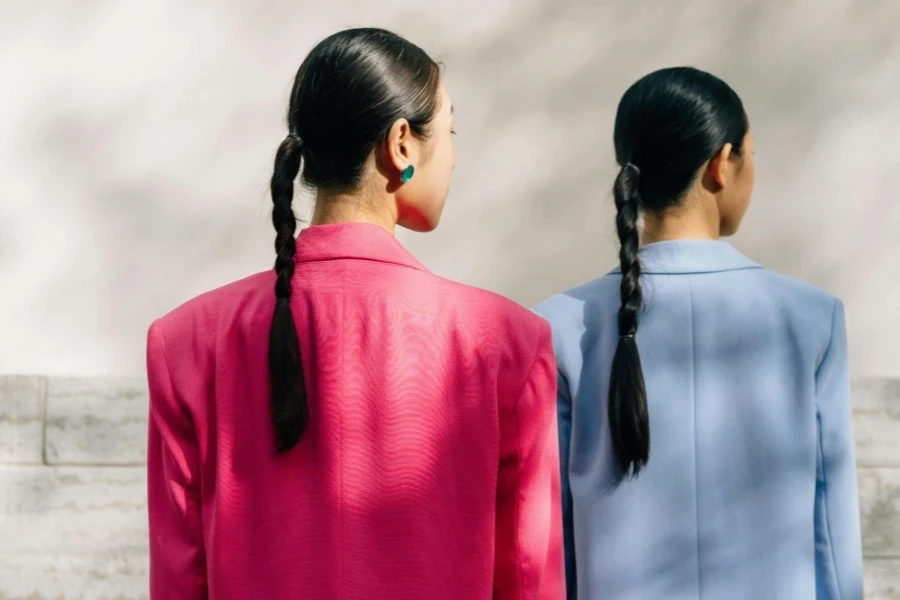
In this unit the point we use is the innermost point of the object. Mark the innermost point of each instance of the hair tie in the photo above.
(283, 300)
(295, 137)
(627, 336)
(633, 167)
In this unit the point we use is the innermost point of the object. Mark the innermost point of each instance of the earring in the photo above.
(407, 174)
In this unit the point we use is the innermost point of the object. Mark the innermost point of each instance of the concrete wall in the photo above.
(73, 509)
(73, 504)
(136, 141)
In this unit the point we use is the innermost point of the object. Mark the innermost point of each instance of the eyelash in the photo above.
(452, 132)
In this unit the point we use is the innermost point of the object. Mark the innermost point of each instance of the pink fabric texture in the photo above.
(430, 466)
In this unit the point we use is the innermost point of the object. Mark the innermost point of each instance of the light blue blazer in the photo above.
(750, 491)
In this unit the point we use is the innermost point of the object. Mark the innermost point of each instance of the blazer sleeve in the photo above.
(528, 552)
(177, 557)
(839, 574)
(564, 415)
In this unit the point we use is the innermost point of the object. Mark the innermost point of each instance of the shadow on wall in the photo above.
(147, 146)
(553, 71)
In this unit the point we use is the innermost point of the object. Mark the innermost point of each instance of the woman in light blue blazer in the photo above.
(736, 374)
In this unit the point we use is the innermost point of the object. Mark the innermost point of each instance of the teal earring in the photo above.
(407, 174)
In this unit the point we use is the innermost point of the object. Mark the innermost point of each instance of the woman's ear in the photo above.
(399, 147)
(718, 165)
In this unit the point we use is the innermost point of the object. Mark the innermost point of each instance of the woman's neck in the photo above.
(693, 221)
(354, 208)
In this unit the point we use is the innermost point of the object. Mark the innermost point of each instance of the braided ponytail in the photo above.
(629, 421)
(671, 122)
(290, 412)
(349, 91)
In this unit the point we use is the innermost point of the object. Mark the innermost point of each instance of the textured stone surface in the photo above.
(96, 421)
(879, 499)
(78, 527)
(883, 579)
(21, 419)
(66, 577)
(71, 510)
(876, 420)
(70, 577)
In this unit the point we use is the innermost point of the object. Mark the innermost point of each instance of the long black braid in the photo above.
(668, 125)
(349, 91)
(290, 410)
(628, 416)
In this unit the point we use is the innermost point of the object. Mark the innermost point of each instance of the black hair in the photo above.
(348, 93)
(668, 125)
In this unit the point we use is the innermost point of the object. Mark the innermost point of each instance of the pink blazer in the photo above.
(430, 467)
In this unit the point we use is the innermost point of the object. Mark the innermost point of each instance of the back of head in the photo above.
(668, 125)
(348, 93)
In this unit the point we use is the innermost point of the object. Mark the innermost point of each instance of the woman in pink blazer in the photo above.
(349, 425)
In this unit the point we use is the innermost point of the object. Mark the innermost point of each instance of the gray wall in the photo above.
(73, 504)
(136, 140)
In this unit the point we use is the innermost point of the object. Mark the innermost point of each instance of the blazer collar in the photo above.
(691, 256)
(361, 241)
